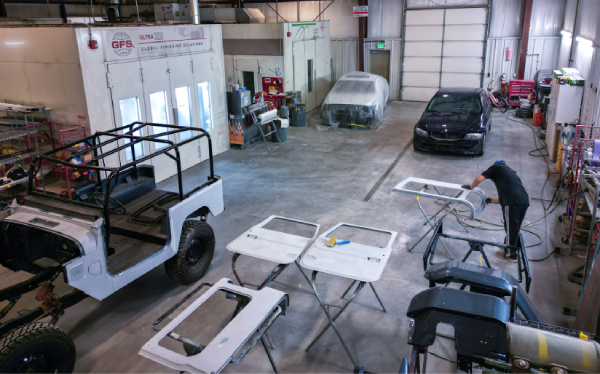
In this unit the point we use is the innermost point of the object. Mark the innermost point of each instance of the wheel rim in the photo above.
(37, 362)
(194, 252)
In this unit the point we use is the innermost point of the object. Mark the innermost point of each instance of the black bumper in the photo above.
(467, 147)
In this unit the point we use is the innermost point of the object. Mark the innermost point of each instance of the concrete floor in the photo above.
(323, 177)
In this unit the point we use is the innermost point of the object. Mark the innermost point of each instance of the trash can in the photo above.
(281, 125)
(284, 112)
(298, 114)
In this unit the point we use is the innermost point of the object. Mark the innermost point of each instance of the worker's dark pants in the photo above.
(513, 218)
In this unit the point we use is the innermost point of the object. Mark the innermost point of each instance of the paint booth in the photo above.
(297, 54)
(107, 77)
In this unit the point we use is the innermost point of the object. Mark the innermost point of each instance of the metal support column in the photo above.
(362, 35)
(525, 39)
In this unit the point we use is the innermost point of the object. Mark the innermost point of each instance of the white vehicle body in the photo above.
(356, 99)
(89, 272)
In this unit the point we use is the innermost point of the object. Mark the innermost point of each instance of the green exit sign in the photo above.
(381, 45)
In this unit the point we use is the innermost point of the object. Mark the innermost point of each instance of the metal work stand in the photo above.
(450, 203)
(252, 109)
(275, 246)
(331, 323)
(476, 245)
(361, 263)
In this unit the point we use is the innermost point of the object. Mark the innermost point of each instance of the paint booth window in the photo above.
(130, 113)
(158, 109)
(184, 110)
(205, 106)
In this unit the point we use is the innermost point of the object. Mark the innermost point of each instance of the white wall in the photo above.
(342, 24)
(271, 65)
(41, 64)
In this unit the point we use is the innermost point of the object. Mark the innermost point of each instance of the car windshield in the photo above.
(354, 86)
(455, 104)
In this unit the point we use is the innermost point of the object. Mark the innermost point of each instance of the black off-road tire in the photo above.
(37, 348)
(196, 250)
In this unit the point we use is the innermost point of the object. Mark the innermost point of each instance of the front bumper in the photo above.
(467, 147)
(349, 115)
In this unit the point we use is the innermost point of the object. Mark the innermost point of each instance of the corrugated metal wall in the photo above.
(385, 19)
(586, 26)
(496, 64)
(507, 19)
(395, 48)
(547, 18)
(344, 53)
(542, 55)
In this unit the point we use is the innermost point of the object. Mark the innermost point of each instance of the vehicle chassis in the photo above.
(119, 139)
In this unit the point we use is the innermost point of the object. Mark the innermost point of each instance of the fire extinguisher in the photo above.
(503, 80)
(507, 53)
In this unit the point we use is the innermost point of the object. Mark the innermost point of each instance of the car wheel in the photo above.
(37, 348)
(481, 147)
(196, 250)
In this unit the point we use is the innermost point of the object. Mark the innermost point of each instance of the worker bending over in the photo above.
(514, 201)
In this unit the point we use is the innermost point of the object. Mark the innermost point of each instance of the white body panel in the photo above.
(353, 260)
(271, 245)
(83, 272)
(221, 350)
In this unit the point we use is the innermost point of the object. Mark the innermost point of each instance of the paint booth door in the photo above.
(305, 72)
(184, 101)
(323, 64)
(127, 93)
(157, 90)
(207, 99)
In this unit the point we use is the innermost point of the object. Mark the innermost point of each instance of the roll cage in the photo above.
(95, 144)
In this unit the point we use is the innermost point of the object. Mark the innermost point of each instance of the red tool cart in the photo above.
(273, 88)
(517, 89)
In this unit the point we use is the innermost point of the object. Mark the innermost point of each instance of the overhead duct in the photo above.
(231, 15)
(113, 10)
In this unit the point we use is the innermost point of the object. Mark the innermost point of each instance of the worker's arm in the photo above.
(477, 181)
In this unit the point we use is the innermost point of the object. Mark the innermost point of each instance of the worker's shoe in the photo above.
(500, 254)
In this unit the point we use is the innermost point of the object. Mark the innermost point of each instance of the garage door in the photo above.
(443, 48)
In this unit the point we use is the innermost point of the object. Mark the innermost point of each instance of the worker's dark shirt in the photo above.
(509, 186)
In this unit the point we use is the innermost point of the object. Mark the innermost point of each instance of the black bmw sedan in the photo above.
(456, 120)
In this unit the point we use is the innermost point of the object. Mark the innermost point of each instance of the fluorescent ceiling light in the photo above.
(14, 43)
(585, 41)
(566, 33)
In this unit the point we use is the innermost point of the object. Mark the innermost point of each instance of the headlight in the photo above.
(421, 132)
(474, 136)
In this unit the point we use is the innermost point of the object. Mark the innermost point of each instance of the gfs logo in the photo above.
(122, 44)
